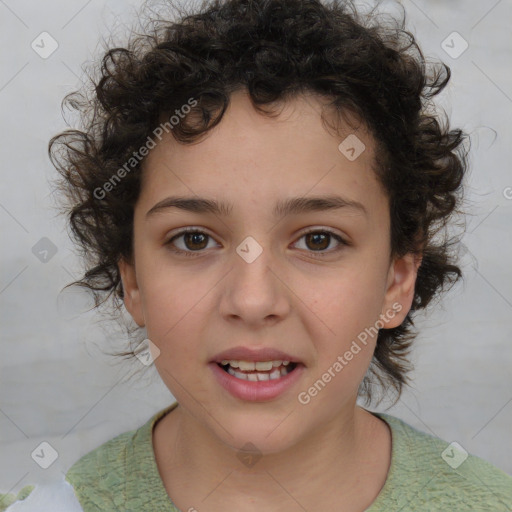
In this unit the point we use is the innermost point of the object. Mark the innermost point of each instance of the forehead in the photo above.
(253, 158)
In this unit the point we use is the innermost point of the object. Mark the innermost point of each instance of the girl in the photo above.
(263, 183)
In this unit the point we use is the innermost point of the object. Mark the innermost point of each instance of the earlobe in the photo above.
(400, 290)
(132, 299)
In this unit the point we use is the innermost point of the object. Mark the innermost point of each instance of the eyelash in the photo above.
(189, 253)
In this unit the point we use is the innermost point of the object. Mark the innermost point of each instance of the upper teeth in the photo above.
(251, 365)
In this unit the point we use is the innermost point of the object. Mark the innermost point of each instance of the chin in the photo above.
(264, 436)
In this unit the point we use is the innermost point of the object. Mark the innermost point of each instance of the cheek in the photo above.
(344, 350)
(350, 303)
(175, 311)
(173, 307)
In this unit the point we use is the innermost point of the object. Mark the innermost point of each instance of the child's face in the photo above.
(290, 298)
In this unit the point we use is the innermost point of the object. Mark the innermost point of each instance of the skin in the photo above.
(330, 452)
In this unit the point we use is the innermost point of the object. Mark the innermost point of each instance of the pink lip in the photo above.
(247, 354)
(259, 391)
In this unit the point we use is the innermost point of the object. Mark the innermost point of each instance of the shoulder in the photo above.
(89, 484)
(57, 496)
(437, 474)
(115, 475)
(100, 475)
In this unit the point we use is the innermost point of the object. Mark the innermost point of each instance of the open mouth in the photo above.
(257, 381)
(264, 373)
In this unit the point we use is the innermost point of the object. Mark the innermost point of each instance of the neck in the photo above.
(346, 458)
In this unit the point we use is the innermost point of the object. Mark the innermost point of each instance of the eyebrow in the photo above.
(283, 208)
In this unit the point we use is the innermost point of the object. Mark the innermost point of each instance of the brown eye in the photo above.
(318, 241)
(195, 241)
(192, 242)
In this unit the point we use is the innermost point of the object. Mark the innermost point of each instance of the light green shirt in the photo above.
(426, 474)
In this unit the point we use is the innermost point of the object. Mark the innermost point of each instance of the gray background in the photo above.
(55, 383)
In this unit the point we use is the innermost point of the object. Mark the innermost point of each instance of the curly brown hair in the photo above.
(365, 64)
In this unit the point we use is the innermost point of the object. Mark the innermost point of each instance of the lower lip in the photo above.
(258, 391)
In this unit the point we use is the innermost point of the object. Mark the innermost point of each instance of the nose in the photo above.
(255, 291)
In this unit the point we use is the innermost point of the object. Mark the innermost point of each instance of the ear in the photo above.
(132, 299)
(400, 290)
